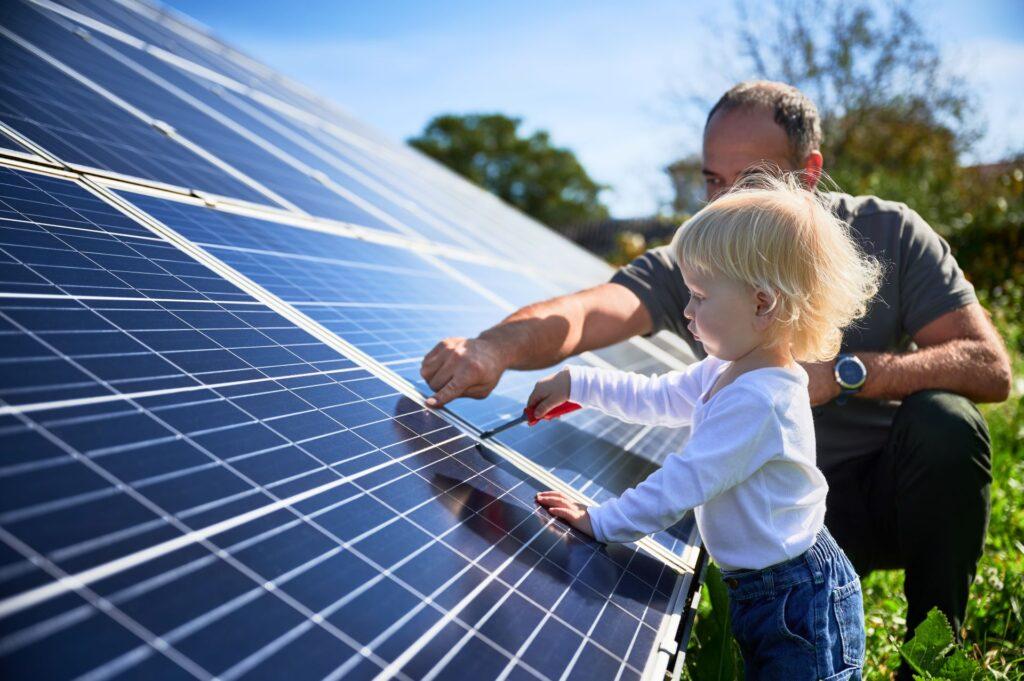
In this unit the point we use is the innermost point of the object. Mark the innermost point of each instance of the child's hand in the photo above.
(561, 506)
(549, 393)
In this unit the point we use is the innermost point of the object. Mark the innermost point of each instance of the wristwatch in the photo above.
(850, 375)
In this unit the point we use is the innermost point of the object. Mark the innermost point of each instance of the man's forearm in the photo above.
(545, 333)
(538, 335)
(968, 367)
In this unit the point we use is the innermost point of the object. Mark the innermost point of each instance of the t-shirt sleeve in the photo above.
(656, 280)
(739, 436)
(931, 282)
(665, 400)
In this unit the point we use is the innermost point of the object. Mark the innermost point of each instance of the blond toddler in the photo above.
(774, 278)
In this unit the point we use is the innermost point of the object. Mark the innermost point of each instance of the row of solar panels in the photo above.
(215, 458)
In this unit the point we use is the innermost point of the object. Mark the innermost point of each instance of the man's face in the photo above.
(736, 140)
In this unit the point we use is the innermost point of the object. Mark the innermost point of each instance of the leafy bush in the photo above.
(932, 654)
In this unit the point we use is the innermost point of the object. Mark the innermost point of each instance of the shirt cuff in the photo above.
(597, 523)
(581, 380)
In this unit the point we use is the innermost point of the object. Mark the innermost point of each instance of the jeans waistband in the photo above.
(808, 566)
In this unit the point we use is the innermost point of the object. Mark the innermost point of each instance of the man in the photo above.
(905, 451)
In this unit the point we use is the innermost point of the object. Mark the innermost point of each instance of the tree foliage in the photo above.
(896, 121)
(529, 172)
(893, 116)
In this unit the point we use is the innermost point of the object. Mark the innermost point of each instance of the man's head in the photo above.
(756, 123)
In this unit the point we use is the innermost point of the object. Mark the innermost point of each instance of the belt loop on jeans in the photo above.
(768, 582)
(815, 560)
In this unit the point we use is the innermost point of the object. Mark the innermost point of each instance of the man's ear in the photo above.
(812, 169)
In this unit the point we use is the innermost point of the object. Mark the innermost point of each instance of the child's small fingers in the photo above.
(569, 515)
(559, 512)
(538, 394)
(549, 402)
(551, 497)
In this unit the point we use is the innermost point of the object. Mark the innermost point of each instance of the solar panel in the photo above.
(367, 294)
(210, 445)
(81, 127)
(216, 461)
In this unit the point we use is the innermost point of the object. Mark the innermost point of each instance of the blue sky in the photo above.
(604, 78)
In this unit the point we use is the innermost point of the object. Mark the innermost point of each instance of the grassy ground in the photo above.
(994, 630)
(995, 621)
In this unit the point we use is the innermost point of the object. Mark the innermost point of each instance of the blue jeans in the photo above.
(800, 619)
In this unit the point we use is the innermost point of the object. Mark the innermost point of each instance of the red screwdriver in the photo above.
(560, 410)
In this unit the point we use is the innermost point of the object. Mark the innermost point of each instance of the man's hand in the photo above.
(561, 506)
(549, 393)
(461, 367)
(821, 382)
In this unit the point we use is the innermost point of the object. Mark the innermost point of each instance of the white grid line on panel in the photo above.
(152, 122)
(269, 147)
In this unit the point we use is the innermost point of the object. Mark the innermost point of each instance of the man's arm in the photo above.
(960, 352)
(534, 337)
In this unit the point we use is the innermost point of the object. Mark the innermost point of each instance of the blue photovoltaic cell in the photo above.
(228, 145)
(8, 143)
(193, 124)
(394, 305)
(81, 127)
(412, 198)
(132, 22)
(481, 225)
(342, 527)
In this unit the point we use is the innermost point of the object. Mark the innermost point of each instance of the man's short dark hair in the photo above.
(792, 109)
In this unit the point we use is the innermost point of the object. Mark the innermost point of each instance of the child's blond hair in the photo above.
(772, 234)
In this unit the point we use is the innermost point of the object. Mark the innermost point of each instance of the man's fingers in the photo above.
(444, 374)
(478, 392)
(445, 395)
(433, 360)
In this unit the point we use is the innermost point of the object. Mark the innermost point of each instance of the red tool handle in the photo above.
(560, 410)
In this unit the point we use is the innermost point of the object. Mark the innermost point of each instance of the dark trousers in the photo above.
(921, 503)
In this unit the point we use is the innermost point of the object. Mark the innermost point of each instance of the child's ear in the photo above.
(764, 313)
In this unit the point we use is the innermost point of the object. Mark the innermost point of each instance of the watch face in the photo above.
(850, 373)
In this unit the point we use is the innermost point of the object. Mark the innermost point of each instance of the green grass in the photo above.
(994, 629)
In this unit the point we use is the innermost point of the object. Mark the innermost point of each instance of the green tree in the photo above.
(895, 119)
(544, 181)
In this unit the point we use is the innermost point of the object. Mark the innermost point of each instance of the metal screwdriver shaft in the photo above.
(560, 410)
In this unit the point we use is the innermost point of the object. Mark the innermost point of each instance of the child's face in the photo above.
(723, 314)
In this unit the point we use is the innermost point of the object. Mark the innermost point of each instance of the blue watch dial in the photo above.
(850, 372)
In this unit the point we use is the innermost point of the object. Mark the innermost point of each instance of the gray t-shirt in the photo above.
(922, 282)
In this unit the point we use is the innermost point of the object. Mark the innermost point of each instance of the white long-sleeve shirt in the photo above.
(748, 469)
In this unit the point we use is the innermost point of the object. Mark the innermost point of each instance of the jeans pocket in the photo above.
(795, 616)
(848, 606)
